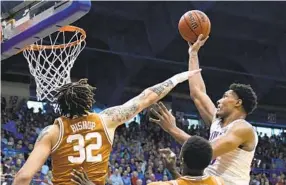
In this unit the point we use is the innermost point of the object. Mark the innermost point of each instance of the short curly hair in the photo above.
(247, 95)
(197, 153)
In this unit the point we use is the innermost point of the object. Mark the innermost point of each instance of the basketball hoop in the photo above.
(50, 62)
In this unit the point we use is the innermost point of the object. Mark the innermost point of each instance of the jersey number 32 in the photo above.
(85, 153)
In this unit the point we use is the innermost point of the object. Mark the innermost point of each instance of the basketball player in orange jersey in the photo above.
(233, 139)
(196, 154)
(80, 138)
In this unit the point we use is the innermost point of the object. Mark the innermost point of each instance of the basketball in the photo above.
(192, 24)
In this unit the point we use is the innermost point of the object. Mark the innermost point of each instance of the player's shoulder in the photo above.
(242, 124)
(93, 115)
(55, 128)
(51, 132)
(97, 117)
(243, 129)
(50, 128)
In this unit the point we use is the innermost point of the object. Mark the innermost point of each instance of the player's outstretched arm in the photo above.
(168, 123)
(235, 137)
(197, 86)
(118, 115)
(37, 158)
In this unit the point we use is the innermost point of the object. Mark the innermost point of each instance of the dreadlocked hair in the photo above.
(74, 99)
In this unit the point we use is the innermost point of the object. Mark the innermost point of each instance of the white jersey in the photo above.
(234, 167)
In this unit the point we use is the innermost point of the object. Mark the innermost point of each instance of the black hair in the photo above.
(197, 153)
(74, 99)
(247, 95)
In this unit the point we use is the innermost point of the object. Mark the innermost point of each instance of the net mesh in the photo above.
(51, 64)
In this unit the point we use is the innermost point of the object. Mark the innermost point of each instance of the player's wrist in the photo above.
(194, 52)
(179, 78)
(170, 129)
(172, 169)
(175, 174)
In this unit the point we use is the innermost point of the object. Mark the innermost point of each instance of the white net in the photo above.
(51, 64)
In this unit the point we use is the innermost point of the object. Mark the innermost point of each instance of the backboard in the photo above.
(25, 22)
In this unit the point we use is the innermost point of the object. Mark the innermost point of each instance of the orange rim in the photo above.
(62, 29)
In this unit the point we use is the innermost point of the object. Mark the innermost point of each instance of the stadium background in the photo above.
(133, 45)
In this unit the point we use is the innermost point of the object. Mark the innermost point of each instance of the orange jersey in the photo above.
(83, 142)
(187, 180)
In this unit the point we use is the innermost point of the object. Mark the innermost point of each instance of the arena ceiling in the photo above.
(137, 44)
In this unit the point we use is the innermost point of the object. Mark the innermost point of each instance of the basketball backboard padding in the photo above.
(42, 25)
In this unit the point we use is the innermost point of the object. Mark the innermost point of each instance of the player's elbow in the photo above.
(149, 98)
(147, 102)
(22, 178)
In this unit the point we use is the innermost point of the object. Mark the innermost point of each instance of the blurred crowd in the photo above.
(135, 159)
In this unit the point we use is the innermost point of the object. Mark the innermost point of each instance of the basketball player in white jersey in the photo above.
(80, 138)
(233, 139)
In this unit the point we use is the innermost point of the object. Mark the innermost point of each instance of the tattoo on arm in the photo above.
(121, 113)
(162, 88)
(140, 96)
(44, 132)
(126, 111)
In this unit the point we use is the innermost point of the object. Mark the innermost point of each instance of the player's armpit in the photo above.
(235, 137)
(37, 158)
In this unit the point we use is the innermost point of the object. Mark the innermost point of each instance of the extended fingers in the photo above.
(163, 111)
(201, 37)
(76, 182)
(154, 120)
(84, 173)
(156, 113)
(163, 108)
(78, 173)
(76, 178)
(205, 39)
